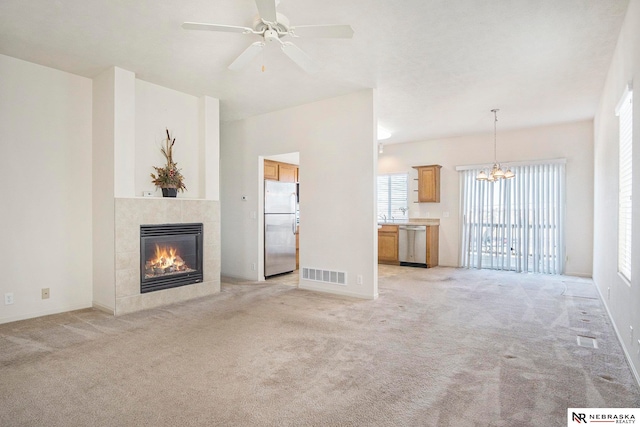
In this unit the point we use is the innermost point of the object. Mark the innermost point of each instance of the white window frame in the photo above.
(624, 110)
(391, 213)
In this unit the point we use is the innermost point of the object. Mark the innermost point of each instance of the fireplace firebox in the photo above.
(170, 256)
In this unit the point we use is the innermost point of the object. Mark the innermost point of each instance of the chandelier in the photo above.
(496, 172)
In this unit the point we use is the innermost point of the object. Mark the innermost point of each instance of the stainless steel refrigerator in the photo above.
(279, 227)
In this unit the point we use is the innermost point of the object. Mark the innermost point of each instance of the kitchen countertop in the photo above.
(413, 221)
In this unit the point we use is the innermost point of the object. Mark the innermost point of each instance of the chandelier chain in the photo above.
(495, 133)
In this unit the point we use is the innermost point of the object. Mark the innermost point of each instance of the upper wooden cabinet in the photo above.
(287, 172)
(271, 170)
(280, 171)
(428, 183)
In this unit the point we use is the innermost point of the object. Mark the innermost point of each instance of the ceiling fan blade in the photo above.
(298, 56)
(267, 10)
(329, 31)
(245, 57)
(216, 27)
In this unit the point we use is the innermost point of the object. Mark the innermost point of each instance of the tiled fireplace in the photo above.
(192, 245)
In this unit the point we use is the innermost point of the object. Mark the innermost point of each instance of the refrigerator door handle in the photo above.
(293, 209)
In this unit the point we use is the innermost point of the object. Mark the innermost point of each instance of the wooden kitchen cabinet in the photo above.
(287, 172)
(428, 183)
(432, 245)
(271, 170)
(388, 245)
(279, 171)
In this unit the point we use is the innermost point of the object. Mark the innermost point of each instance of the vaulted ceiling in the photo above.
(439, 66)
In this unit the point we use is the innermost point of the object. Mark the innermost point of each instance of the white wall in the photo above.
(335, 139)
(124, 131)
(573, 141)
(209, 166)
(622, 300)
(45, 213)
(156, 109)
(103, 186)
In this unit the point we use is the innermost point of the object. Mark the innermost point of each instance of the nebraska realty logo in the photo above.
(577, 416)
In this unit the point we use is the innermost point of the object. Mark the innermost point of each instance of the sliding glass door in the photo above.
(515, 224)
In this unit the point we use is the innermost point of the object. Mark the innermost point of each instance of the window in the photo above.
(515, 224)
(392, 196)
(624, 111)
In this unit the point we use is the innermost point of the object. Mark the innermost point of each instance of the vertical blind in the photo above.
(515, 224)
(392, 196)
(625, 112)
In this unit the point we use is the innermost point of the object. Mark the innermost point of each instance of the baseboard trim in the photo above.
(33, 315)
(243, 278)
(333, 291)
(585, 275)
(103, 308)
(615, 328)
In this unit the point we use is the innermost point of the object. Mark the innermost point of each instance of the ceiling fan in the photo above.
(273, 26)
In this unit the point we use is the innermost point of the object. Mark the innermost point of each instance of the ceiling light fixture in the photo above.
(383, 133)
(496, 171)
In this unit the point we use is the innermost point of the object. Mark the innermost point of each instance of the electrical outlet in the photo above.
(359, 279)
(608, 293)
(45, 293)
(253, 266)
(8, 298)
(631, 333)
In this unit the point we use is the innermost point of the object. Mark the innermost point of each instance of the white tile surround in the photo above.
(130, 213)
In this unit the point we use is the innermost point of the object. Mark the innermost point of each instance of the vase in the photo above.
(169, 192)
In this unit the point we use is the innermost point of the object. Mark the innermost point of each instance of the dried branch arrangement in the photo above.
(168, 176)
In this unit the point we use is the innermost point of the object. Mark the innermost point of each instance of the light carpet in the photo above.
(439, 347)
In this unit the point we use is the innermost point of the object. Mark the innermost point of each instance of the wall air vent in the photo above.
(327, 276)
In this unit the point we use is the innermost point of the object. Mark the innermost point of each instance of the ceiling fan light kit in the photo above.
(272, 27)
(496, 171)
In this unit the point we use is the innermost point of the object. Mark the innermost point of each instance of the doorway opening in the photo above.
(280, 231)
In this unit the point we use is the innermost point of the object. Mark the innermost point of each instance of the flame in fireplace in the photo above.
(166, 257)
(165, 260)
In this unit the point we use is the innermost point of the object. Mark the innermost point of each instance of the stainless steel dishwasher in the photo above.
(412, 245)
